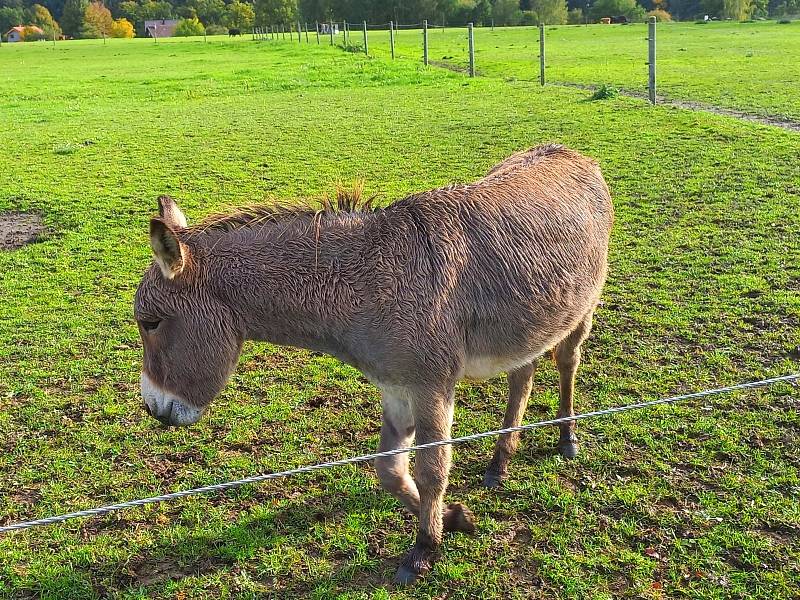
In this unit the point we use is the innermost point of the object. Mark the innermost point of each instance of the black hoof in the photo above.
(492, 479)
(568, 448)
(458, 517)
(406, 576)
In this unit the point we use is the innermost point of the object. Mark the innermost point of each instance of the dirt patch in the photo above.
(18, 229)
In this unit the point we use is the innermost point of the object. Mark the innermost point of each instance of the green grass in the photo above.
(700, 500)
(752, 67)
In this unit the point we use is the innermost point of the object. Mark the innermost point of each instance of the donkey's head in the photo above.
(190, 337)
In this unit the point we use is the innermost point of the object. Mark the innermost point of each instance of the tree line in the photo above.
(82, 18)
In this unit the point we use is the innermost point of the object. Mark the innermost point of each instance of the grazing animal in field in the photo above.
(465, 281)
(619, 20)
(234, 32)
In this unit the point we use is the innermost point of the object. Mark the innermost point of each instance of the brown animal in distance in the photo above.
(466, 281)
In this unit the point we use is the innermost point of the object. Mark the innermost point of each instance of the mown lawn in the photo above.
(700, 500)
(752, 67)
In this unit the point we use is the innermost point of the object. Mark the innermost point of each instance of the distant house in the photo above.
(161, 28)
(17, 34)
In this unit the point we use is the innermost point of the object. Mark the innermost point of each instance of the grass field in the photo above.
(752, 67)
(700, 500)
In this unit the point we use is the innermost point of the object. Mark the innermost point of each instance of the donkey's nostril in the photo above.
(147, 408)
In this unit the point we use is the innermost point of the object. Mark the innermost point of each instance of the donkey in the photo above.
(465, 281)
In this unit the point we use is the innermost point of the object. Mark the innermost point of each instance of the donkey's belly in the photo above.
(484, 367)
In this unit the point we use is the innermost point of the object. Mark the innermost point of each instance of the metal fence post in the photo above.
(391, 37)
(651, 59)
(331, 33)
(425, 42)
(316, 28)
(471, 50)
(366, 43)
(541, 53)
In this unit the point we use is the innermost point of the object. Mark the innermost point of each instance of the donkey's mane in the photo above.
(346, 201)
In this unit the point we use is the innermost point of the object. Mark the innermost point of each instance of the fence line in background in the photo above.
(367, 457)
(271, 32)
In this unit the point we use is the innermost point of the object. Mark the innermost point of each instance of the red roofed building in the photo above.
(17, 34)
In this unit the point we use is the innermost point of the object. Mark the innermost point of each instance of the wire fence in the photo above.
(702, 64)
(792, 378)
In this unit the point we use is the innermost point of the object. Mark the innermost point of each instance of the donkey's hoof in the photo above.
(568, 448)
(458, 517)
(414, 566)
(406, 576)
(493, 479)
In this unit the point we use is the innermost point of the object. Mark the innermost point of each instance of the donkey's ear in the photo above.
(170, 254)
(170, 213)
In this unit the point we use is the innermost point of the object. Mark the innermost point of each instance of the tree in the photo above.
(207, 11)
(189, 28)
(575, 16)
(660, 14)
(549, 12)
(506, 12)
(275, 11)
(738, 10)
(42, 18)
(72, 17)
(32, 34)
(97, 21)
(239, 15)
(122, 28)
(613, 8)
(10, 17)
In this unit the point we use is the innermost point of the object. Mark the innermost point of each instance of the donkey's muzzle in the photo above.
(167, 408)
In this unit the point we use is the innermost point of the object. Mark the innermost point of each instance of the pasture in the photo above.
(700, 500)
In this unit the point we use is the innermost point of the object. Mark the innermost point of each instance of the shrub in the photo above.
(189, 28)
(661, 15)
(121, 28)
(605, 92)
(784, 21)
(215, 29)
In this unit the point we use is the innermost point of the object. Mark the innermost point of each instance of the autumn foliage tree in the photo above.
(97, 21)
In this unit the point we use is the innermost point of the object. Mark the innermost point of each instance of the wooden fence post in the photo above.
(316, 28)
(651, 59)
(331, 33)
(366, 42)
(306, 32)
(425, 42)
(471, 34)
(541, 53)
(391, 37)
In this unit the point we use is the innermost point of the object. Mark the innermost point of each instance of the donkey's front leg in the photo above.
(433, 416)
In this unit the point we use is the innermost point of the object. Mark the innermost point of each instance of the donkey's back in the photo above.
(516, 260)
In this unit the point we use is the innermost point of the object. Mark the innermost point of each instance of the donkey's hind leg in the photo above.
(520, 383)
(567, 355)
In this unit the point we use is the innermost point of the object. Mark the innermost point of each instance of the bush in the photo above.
(189, 28)
(216, 30)
(784, 21)
(605, 92)
(121, 28)
(661, 15)
(575, 16)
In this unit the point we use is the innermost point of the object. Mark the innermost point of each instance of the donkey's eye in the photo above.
(149, 325)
